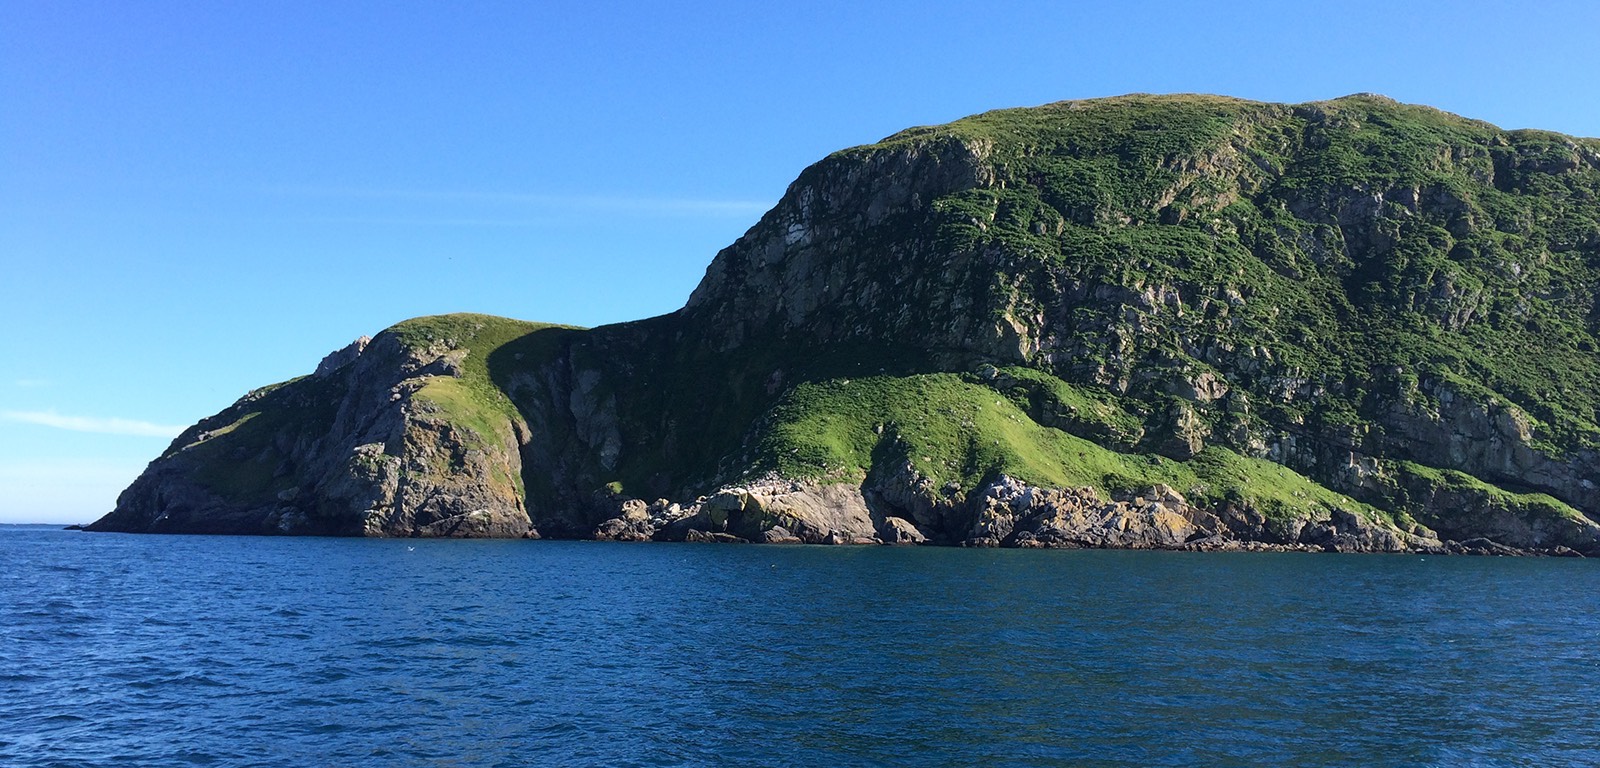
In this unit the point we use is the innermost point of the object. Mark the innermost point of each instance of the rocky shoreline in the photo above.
(1010, 514)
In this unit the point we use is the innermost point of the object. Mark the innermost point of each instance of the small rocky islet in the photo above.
(1180, 322)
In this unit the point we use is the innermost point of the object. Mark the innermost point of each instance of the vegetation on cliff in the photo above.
(1351, 313)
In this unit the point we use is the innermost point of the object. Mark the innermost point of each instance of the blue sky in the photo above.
(200, 198)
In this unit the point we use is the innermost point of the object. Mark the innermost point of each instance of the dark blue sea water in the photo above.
(165, 650)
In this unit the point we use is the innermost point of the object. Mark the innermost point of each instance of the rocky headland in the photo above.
(1179, 322)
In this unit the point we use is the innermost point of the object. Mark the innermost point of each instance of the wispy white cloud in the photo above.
(656, 205)
(651, 206)
(427, 221)
(104, 426)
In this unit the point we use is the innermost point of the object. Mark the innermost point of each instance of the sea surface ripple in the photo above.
(197, 650)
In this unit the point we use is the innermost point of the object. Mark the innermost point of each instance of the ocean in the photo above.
(137, 650)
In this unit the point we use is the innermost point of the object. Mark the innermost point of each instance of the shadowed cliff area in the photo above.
(1146, 321)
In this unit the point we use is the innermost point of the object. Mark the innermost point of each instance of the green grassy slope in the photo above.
(960, 433)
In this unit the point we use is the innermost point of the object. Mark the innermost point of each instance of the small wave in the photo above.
(401, 642)
(562, 728)
(202, 680)
(483, 641)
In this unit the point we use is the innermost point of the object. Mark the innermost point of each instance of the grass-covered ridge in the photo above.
(471, 401)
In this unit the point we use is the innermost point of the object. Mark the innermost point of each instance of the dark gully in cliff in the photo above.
(1148, 321)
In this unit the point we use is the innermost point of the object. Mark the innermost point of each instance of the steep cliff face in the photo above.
(1352, 324)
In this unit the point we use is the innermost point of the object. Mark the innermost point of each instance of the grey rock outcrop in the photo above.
(358, 453)
(342, 357)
